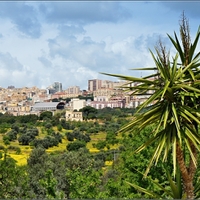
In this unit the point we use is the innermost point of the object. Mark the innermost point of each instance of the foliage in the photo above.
(14, 148)
(76, 145)
(27, 136)
(50, 183)
(173, 105)
(27, 119)
(46, 114)
(13, 179)
(59, 127)
(79, 173)
(83, 184)
(77, 134)
(37, 167)
(10, 119)
(88, 112)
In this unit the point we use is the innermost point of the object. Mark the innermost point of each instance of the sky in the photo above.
(42, 42)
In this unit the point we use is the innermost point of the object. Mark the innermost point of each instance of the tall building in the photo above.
(73, 90)
(57, 86)
(94, 84)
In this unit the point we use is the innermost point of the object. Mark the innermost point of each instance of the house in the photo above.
(73, 116)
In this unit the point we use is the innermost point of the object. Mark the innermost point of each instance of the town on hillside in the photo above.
(100, 94)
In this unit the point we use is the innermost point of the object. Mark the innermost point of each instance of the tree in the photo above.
(89, 112)
(24, 139)
(50, 183)
(174, 105)
(76, 145)
(46, 114)
(59, 127)
(6, 140)
(28, 136)
(83, 184)
(13, 179)
(32, 118)
(48, 125)
(37, 168)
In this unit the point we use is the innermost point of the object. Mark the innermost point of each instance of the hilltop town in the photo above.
(33, 100)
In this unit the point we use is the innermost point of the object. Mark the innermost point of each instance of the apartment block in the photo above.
(73, 90)
(94, 84)
(107, 92)
(104, 104)
(77, 104)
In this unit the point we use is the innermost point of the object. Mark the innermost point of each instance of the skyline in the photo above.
(71, 42)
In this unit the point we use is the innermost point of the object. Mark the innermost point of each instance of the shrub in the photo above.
(74, 146)
(2, 147)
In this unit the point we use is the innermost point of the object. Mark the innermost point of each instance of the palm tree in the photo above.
(173, 106)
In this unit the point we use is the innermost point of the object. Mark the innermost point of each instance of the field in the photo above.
(26, 149)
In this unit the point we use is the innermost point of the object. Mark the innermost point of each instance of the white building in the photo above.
(48, 106)
(77, 104)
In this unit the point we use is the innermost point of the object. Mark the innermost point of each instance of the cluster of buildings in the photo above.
(25, 101)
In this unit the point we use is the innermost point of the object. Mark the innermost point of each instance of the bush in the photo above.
(5, 139)
(3, 130)
(25, 139)
(48, 125)
(2, 147)
(100, 145)
(46, 114)
(59, 127)
(15, 148)
(12, 135)
(70, 136)
(76, 145)
(15, 127)
(65, 124)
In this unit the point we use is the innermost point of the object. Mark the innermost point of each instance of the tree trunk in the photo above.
(187, 173)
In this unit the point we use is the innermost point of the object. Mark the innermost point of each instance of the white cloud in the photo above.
(62, 41)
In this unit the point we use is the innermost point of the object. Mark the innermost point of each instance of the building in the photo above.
(48, 106)
(73, 116)
(101, 98)
(51, 91)
(73, 90)
(58, 95)
(107, 92)
(55, 87)
(77, 104)
(104, 104)
(94, 84)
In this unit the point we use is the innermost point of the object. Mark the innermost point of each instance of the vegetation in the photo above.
(67, 159)
(175, 106)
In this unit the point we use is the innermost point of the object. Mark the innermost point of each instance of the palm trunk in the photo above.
(187, 173)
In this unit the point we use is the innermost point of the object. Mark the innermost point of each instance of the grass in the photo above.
(26, 149)
(60, 147)
(21, 159)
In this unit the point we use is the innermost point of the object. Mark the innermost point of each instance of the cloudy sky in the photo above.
(71, 42)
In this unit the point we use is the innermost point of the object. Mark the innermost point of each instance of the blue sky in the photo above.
(71, 42)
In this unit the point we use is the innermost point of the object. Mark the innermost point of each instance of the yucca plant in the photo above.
(173, 191)
(174, 106)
